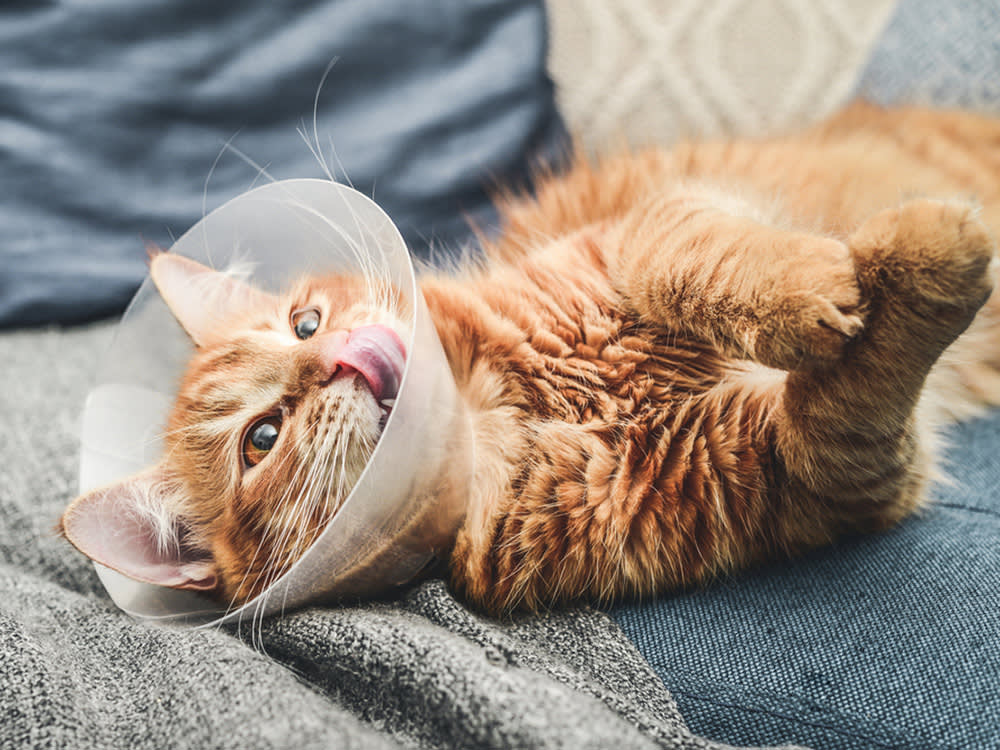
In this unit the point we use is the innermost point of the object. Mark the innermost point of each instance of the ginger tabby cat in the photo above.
(678, 363)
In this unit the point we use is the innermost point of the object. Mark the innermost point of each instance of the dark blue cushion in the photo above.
(112, 114)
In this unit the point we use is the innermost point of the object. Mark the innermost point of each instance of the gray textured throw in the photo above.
(419, 671)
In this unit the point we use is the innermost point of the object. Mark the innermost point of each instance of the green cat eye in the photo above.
(305, 322)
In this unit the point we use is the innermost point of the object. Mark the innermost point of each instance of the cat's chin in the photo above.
(360, 411)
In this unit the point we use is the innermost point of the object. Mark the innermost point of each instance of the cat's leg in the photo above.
(857, 325)
(710, 266)
(850, 436)
(967, 378)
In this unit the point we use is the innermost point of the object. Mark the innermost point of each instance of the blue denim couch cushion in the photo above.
(111, 115)
(886, 641)
(937, 53)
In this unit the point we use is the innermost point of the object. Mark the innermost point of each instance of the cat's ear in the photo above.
(130, 527)
(201, 298)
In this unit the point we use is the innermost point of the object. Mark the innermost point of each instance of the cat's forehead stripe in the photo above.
(237, 377)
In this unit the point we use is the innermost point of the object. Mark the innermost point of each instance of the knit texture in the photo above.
(653, 70)
(420, 671)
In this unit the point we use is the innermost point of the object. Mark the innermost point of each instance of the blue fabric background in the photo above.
(944, 54)
(112, 113)
(891, 641)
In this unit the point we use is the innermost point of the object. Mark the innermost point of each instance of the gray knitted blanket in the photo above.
(420, 671)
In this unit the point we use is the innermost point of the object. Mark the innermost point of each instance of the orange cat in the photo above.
(678, 363)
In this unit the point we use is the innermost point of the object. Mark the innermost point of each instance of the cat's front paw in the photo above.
(813, 307)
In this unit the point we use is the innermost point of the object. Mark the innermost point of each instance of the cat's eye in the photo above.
(305, 322)
(260, 439)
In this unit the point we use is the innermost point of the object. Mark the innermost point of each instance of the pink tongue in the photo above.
(378, 354)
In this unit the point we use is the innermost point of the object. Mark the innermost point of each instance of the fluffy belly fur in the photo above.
(685, 362)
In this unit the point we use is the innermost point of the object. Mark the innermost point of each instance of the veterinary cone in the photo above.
(404, 508)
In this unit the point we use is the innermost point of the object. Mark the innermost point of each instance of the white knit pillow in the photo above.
(653, 70)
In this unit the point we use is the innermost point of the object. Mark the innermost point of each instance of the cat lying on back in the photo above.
(678, 363)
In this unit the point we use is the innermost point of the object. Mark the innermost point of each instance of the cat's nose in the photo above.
(330, 345)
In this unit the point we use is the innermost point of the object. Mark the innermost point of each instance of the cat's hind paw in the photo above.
(926, 268)
(931, 256)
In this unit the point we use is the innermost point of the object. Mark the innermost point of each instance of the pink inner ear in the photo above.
(201, 298)
(107, 526)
